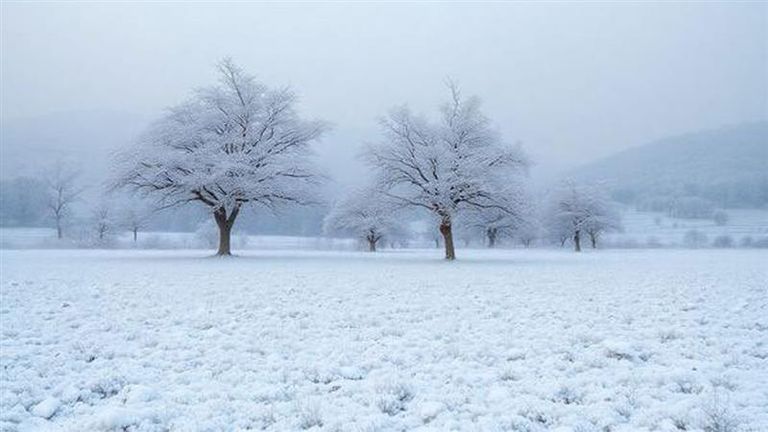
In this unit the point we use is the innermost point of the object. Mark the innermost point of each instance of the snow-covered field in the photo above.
(284, 340)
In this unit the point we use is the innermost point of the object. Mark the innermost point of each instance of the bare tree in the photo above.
(366, 214)
(446, 167)
(63, 191)
(103, 223)
(231, 144)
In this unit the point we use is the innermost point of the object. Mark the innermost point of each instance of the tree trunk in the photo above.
(371, 245)
(577, 241)
(135, 234)
(491, 233)
(593, 239)
(447, 232)
(225, 223)
(59, 233)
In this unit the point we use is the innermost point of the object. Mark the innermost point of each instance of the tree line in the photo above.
(241, 143)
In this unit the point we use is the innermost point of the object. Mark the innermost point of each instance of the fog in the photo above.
(571, 82)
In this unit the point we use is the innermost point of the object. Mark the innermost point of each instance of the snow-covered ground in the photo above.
(509, 340)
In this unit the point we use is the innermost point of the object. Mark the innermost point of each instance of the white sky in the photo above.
(572, 81)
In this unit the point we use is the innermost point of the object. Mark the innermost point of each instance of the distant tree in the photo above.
(446, 167)
(723, 241)
(103, 221)
(512, 214)
(694, 239)
(63, 191)
(134, 216)
(529, 231)
(230, 145)
(365, 214)
(603, 218)
(720, 217)
(575, 210)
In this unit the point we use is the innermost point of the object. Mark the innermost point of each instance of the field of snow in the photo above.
(515, 340)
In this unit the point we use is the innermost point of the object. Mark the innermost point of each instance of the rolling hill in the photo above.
(727, 166)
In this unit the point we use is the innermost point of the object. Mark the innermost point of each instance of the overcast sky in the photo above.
(572, 81)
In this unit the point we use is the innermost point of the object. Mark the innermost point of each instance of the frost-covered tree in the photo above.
(575, 210)
(63, 192)
(513, 212)
(232, 144)
(445, 167)
(103, 221)
(604, 218)
(529, 232)
(366, 214)
(134, 216)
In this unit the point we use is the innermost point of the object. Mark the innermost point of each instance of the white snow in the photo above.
(46, 408)
(284, 340)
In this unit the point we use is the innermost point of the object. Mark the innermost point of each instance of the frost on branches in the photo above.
(575, 210)
(366, 214)
(231, 144)
(515, 214)
(447, 167)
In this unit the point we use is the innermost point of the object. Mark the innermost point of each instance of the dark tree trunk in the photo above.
(135, 234)
(437, 242)
(491, 233)
(225, 223)
(371, 245)
(59, 232)
(447, 232)
(577, 241)
(593, 240)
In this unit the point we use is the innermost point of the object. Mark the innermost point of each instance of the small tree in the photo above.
(603, 218)
(446, 167)
(720, 217)
(573, 210)
(529, 231)
(513, 212)
(103, 222)
(134, 216)
(366, 214)
(695, 239)
(63, 191)
(232, 144)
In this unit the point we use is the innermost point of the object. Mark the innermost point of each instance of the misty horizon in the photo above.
(572, 84)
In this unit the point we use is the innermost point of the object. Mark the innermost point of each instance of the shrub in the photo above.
(723, 241)
(720, 217)
(694, 239)
(309, 415)
(393, 397)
